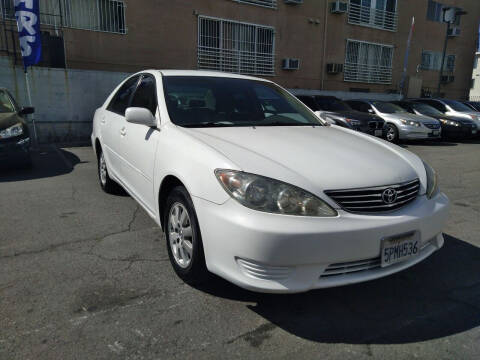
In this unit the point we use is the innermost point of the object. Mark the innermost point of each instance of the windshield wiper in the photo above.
(207, 124)
(282, 123)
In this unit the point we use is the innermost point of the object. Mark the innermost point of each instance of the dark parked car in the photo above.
(343, 115)
(452, 126)
(474, 105)
(14, 134)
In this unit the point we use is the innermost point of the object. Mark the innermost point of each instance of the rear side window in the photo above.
(146, 94)
(122, 98)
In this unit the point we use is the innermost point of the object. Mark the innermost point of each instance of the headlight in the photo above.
(12, 131)
(410, 123)
(273, 196)
(432, 181)
(449, 122)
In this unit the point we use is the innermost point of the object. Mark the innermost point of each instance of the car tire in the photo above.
(183, 237)
(391, 133)
(106, 183)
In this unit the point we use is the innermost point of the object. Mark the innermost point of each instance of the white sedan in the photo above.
(247, 183)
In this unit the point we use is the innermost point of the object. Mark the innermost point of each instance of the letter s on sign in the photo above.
(24, 44)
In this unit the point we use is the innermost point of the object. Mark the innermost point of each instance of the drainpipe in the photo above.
(324, 43)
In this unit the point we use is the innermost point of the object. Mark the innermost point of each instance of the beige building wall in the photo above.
(475, 88)
(163, 34)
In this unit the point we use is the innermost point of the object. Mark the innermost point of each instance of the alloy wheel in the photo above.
(180, 235)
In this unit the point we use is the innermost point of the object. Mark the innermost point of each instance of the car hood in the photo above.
(9, 119)
(315, 159)
(407, 116)
(459, 119)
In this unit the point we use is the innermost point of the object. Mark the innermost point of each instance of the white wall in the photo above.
(475, 92)
(64, 100)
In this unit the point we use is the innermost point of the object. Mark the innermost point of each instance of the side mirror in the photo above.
(141, 116)
(370, 111)
(26, 111)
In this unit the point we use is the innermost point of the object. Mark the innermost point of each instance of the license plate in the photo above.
(474, 132)
(435, 133)
(379, 133)
(400, 248)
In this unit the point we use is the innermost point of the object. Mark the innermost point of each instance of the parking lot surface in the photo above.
(86, 275)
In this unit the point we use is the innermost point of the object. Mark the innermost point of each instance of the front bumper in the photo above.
(418, 133)
(460, 132)
(14, 150)
(278, 253)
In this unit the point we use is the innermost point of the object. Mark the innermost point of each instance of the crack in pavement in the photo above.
(67, 243)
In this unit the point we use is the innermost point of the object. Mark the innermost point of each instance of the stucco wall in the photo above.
(64, 100)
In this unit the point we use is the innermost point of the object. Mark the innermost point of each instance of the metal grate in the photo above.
(264, 272)
(235, 47)
(96, 15)
(351, 267)
(368, 15)
(265, 3)
(368, 200)
(368, 62)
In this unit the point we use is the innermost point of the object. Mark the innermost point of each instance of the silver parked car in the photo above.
(400, 124)
(453, 108)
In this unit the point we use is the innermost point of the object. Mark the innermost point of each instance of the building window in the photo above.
(369, 63)
(96, 15)
(379, 14)
(432, 60)
(236, 47)
(435, 12)
(265, 3)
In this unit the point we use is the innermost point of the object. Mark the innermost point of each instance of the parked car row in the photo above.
(413, 119)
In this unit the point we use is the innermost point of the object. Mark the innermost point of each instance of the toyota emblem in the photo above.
(389, 196)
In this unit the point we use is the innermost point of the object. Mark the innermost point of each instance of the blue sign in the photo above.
(27, 13)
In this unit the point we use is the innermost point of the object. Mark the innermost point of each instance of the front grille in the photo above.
(351, 267)
(375, 125)
(368, 200)
(433, 126)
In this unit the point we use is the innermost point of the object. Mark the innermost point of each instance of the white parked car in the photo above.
(249, 184)
(400, 124)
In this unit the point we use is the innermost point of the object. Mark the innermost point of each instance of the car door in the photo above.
(113, 124)
(140, 144)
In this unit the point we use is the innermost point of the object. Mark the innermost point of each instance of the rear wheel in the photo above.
(183, 238)
(391, 133)
(107, 184)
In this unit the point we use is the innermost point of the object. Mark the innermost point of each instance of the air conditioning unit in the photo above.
(334, 68)
(338, 7)
(294, 2)
(454, 32)
(290, 64)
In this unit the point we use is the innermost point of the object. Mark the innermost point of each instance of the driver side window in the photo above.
(146, 95)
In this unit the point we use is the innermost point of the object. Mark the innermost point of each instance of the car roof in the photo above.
(206, 73)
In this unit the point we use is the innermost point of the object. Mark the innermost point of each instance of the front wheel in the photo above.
(391, 133)
(183, 238)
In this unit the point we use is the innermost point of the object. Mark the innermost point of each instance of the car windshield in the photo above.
(388, 108)
(426, 109)
(6, 105)
(202, 101)
(457, 106)
(331, 104)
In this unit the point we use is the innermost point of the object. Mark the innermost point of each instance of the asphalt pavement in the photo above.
(85, 275)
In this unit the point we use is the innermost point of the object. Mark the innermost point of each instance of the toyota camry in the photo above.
(249, 184)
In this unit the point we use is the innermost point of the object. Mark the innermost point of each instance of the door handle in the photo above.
(123, 132)
(103, 121)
